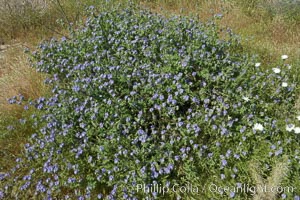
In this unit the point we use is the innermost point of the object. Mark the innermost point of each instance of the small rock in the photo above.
(3, 47)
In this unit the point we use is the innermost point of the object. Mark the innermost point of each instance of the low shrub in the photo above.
(141, 103)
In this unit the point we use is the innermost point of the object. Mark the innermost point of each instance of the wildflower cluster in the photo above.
(138, 98)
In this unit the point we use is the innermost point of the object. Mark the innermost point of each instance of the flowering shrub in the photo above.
(140, 100)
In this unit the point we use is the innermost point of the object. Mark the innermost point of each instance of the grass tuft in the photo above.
(274, 180)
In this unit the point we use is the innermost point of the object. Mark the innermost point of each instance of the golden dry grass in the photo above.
(16, 77)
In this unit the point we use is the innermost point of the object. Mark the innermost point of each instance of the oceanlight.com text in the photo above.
(246, 188)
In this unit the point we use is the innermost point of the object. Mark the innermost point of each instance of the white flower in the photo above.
(276, 70)
(284, 57)
(257, 64)
(284, 84)
(297, 130)
(246, 99)
(290, 127)
(298, 117)
(258, 127)
(289, 66)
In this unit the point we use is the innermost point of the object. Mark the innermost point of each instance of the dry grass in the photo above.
(32, 21)
(279, 172)
(18, 18)
(16, 78)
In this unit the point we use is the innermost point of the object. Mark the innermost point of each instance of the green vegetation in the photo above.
(184, 99)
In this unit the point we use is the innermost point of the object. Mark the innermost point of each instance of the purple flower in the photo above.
(278, 152)
(222, 176)
(71, 180)
(224, 162)
(180, 124)
(237, 156)
(76, 88)
(25, 186)
(242, 130)
(168, 168)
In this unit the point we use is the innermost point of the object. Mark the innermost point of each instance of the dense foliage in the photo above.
(140, 100)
